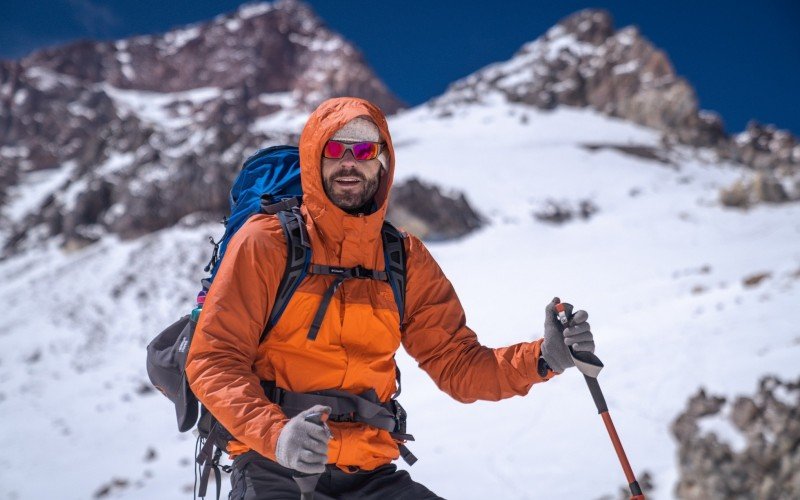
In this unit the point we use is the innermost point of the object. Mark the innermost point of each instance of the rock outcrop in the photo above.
(583, 61)
(430, 214)
(741, 449)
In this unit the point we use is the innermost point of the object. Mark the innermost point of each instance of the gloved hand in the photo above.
(557, 339)
(303, 445)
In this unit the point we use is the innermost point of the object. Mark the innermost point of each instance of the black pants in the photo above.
(257, 478)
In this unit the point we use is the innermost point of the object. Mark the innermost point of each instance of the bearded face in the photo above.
(349, 183)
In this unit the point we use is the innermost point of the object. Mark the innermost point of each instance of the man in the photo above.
(347, 164)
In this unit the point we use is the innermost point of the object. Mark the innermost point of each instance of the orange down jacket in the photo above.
(354, 349)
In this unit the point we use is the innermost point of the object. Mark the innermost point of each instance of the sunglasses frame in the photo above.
(348, 146)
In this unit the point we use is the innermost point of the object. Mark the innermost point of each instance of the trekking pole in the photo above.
(590, 365)
(308, 482)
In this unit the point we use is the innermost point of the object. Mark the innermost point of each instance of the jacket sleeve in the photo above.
(220, 362)
(435, 334)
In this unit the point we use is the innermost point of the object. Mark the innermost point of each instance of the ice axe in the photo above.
(590, 365)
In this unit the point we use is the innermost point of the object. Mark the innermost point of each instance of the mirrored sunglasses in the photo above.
(361, 150)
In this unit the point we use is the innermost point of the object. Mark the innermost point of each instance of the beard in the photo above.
(352, 200)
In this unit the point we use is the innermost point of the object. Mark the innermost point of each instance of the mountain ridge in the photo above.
(584, 61)
(132, 133)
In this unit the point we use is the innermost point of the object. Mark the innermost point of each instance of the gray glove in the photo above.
(557, 339)
(303, 445)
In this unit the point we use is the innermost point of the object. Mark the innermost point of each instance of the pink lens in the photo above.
(334, 149)
(365, 150)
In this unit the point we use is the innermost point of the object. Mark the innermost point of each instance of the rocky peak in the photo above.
(583, 61)
(593, 26)
(263, 47)
(132, 135)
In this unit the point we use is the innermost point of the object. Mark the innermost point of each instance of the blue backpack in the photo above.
(269, 183)
(269, 176)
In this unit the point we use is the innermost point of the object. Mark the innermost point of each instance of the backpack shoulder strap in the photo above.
(298, 258)
(394, 252)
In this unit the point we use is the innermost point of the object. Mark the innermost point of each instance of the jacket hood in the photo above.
(346, 240)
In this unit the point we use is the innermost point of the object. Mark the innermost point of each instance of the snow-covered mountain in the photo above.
(128, 137)
(583, 61)
(682, 291)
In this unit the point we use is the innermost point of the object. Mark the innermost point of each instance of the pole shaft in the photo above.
(602, 409)
(623, 459)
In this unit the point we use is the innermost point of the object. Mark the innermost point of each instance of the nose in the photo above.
(348, 159)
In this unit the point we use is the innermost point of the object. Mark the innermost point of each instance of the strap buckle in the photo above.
(400, 417)
(343, 417)
(273, 392)
(360, 272)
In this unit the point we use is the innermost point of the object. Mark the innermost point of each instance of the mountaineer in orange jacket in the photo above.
(347, 164)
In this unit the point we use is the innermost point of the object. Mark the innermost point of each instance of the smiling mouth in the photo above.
(348, 181)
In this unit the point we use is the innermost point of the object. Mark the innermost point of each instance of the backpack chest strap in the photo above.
(341, 274)
(357, 272)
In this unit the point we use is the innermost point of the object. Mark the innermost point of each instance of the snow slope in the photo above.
(660, 269)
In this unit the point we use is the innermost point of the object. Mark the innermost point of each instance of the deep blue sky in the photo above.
(743, 57)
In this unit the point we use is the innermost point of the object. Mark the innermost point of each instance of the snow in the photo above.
(70, 194)
(14, 151)
(116, 161)
(317, 44)
(233, 24)
(285, 121)
(254, 9)
(631, 66)
(721, 426)
(282, 99)
(174, 41)
(633, 266)
(155, 107)
(78, 109)
(124, 59)
(626, 35)
(44, 79)
(20, 96)
(33, 189)
(514, 78)
(568, 43)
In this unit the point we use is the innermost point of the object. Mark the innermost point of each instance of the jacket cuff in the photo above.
(543, 370)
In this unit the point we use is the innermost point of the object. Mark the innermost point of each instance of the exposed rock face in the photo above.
(133, 135)
(583, 61)
(429, 214)
(764, 460)
(764, 147)
(559, 212)
(764, 187)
